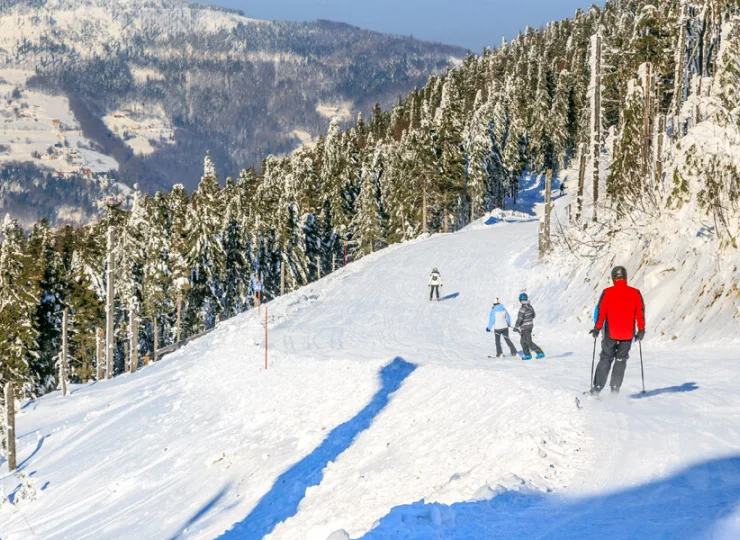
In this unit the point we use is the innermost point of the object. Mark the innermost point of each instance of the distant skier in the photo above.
(500, 321)
(524, 325)
(562, 188)
(620, 308)
(435, 282)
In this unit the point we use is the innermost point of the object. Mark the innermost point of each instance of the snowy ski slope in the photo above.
(381, 416)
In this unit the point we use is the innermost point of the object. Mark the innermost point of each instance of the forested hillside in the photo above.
(157, 84)
(626, 94)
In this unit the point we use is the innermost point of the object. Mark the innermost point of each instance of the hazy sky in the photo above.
(472, 24)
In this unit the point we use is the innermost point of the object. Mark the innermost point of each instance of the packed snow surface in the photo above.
(381, 415)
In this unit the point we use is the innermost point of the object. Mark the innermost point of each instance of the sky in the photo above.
(472, 24)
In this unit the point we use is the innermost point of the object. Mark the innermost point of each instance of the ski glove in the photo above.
(488, 330)
(595, 332)
(516, 330)
(640, 334)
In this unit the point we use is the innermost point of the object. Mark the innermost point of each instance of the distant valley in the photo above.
(99, 95)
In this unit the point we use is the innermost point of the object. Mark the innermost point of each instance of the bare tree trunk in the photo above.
(596, 135)
(282, 275)
(134, 331)
(424, 209)
(63, 355)
(99, 354)
(548, 210)
(10, 425)
(581, 182)
(156, 339)
(179, 316)
(109, 337)
(646, 138)
(678, 78)
(659, 151)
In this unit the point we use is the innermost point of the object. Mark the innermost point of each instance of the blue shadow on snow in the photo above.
(687, 504)
(39, 444)
(685, 387)
(449, 296)
(282, 501)
(201, 512)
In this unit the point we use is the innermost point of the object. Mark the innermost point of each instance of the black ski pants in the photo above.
(433, 289)
(611, 350)
(505, 334)
(527, 342)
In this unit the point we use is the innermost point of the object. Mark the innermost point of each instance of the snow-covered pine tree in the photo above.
(559, 121)
(449, 182)
(728, 76)
(237, 272)
(541, 146)
(159, 291)
(19, 297)
(48, 270)
(624, 185)
(370, 226)
(205, 255)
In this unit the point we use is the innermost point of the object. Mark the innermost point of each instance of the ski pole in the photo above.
(593, 361)
(642, 368)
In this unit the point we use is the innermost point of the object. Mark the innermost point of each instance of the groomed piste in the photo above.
(382, 416)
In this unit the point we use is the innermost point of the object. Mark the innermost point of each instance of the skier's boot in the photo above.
(615, 389)
(540, 355)
(515, 355)
(527, 357)
(499, 356)
(595, 390)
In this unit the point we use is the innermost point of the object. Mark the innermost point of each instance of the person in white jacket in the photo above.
(435, 282)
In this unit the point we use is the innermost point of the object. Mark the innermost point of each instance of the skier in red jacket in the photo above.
(620, 308)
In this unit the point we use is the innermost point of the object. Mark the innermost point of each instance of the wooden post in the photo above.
(134, 335)
(10, 425)
(179, 317)
(333, 262)
(597, 127)
(345, 253)
(266, 320)
(63, 355)
(318, 266)
(109, 337)
(548, 210)
(581, 182)
(156, 339)
(282, 275)
(126, 357)
(99, 354)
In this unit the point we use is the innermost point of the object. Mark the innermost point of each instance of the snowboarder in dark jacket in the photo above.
(500, 321)
(524, 325)
(619, 310)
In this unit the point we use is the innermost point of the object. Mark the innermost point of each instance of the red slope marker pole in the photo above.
(265, 336)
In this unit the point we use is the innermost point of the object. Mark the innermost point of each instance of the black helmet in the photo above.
(619, 272)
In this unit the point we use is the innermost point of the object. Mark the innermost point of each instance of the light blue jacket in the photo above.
(499, 318)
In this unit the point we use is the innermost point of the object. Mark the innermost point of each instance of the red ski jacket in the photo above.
(621, 307)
